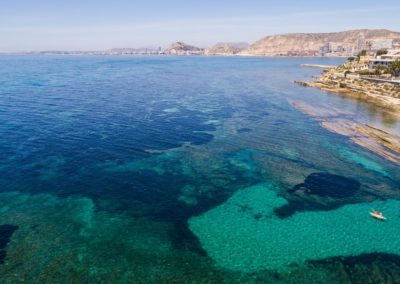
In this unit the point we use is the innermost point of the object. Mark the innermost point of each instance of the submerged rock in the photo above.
(6, 231)
(325, 184)
(303, 84)
(364, 268)
(321, 192)
(381, 142)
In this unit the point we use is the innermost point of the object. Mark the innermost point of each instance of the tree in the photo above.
(379, 69)
(381, 52)
(394, 68)
(362, 53)
(351, 59)
(365, 72)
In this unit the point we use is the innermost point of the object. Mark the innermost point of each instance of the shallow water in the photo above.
(187, 169)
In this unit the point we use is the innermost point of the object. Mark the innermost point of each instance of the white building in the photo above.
(377, 44)
(392, 54)
(335, 47)
(359, 67)
(373, 63)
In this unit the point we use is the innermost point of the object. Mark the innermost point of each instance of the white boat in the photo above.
(377, 215)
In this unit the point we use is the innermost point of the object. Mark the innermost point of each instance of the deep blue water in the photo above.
(133, 147)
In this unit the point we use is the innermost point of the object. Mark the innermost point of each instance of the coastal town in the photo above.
(336, 44)
(373, 76)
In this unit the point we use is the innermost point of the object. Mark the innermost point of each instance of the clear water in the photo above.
(187, 170)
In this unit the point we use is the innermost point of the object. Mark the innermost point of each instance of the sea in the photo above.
(162, 169)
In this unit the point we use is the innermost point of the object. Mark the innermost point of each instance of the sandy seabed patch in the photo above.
(244, 234)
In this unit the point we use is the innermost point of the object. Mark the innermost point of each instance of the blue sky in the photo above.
(99, 24)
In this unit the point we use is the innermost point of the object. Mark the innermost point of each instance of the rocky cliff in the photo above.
(180, 48)
(312, 43)
(227, 48)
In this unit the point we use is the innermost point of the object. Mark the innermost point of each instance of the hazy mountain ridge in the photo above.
(289, 44)
(181, 48)
(346, 43)
(227, 48)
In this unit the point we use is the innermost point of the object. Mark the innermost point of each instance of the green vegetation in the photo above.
(366, 72)
(394, 68)
(361, 53)
(379, 70)
(351, 59)
(381, 52)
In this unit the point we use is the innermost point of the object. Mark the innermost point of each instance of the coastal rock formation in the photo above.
(6, 231)
(325, 184)
(382, 143)
(311, 43)
(321, 191)
(181, 48)
(226, 48)
(383, 94)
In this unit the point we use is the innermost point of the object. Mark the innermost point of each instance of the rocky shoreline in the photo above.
(384, 95)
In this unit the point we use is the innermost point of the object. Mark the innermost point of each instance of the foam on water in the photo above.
(171, 110)
(243, 234)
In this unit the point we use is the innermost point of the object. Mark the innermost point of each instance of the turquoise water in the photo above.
(234, 232)
(187, 170)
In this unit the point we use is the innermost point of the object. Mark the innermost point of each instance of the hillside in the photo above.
(349, 42)
(227, 48)
(181, 48)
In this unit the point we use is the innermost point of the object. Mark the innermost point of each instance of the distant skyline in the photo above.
(27, 25)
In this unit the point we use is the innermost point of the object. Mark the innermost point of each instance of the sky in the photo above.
(32, 25)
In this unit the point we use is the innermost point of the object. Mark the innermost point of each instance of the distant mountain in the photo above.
(227, 48)
(347, 43)
(340, 43)
(181, 48)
